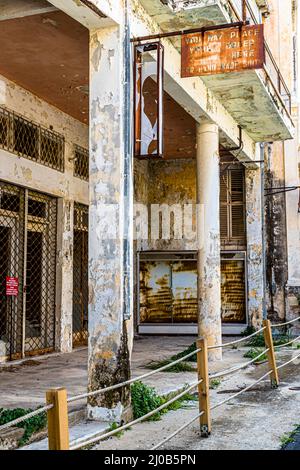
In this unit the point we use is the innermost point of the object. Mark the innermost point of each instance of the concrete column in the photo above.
(254, 246)
(209, 277)
(109, 353)
(64, 282)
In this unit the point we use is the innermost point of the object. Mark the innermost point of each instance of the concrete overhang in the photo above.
(191, 93)
(93, 14)
(249, 96)
(182, 14)
(253, 101)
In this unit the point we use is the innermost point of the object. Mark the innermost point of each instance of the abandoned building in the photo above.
(99, 134)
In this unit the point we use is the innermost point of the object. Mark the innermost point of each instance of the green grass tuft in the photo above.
(31, 425)
(145, 399)
(253, 352)
(214, 383)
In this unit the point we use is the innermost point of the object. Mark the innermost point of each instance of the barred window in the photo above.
(27, 139)
(232, 205)
(81, 162)
(4, 128)
(52, 147)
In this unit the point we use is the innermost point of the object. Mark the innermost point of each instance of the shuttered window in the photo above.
(232, 205)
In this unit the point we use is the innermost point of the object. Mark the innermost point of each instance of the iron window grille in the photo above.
(81, 162)
(27, 139)
(80, 274)
(28, 251)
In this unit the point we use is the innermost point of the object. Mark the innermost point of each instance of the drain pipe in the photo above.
(263, 227)
(127, 237)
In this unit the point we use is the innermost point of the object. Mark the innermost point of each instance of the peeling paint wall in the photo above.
(108, 332)
(171, 182)
(254, 246)
(64, 186)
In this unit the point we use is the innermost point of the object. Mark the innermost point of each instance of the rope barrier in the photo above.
(286, 344)
(284, 324)
(149, 374)
(236, 369)
(95, 439)
(167, 439)
(165, 367)
(131, 381)
(217, 405)
(27, 416)
(288, 362)
(241, 340)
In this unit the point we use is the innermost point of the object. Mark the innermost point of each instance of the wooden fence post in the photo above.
(203, 387)
(271, 353)
(58, 425)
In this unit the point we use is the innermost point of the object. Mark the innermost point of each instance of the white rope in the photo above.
(286, 344)
(27, 416)
(130, 381)
(92, 440)
(236, 369)
(284, 324)
(288, 362)
(167, 439)
(241, 391)
(224, 345)
(149, 374)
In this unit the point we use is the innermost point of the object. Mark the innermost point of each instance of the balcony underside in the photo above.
(200, 13)
(249, 96)
(254, 104)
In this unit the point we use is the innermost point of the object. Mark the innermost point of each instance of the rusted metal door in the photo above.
(168, 292)
(155, 292)
(184, 289)
(80, 275)
(28, 252)
(233, 289)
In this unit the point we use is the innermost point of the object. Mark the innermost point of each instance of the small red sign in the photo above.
(12, 286)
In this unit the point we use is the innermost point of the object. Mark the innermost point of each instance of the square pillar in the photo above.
(108, 347)
(254, 246)
(64, 276)
(208, 237)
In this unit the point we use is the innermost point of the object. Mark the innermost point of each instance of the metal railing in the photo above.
(271, 68)
(57, 401)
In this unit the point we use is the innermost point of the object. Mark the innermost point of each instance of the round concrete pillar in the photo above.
(209, 275)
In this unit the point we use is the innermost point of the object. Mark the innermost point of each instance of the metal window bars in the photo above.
(27, 139)
(80, 275)
(81, 162)
(28, 252)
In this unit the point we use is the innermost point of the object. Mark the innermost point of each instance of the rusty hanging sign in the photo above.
(148, 100)
(219, 51)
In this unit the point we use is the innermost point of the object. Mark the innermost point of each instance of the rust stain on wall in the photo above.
(168, 292)
(233, 291)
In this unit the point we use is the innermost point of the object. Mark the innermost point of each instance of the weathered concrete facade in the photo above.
(108, 336)
(63, 186)
(201, 129)
(282, 171)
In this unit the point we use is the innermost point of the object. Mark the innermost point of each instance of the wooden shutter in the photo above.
(237, 204)
(224, 206)
(232, 205)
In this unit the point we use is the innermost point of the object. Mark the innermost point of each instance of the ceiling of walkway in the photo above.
(48, 55)
(46, 52)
